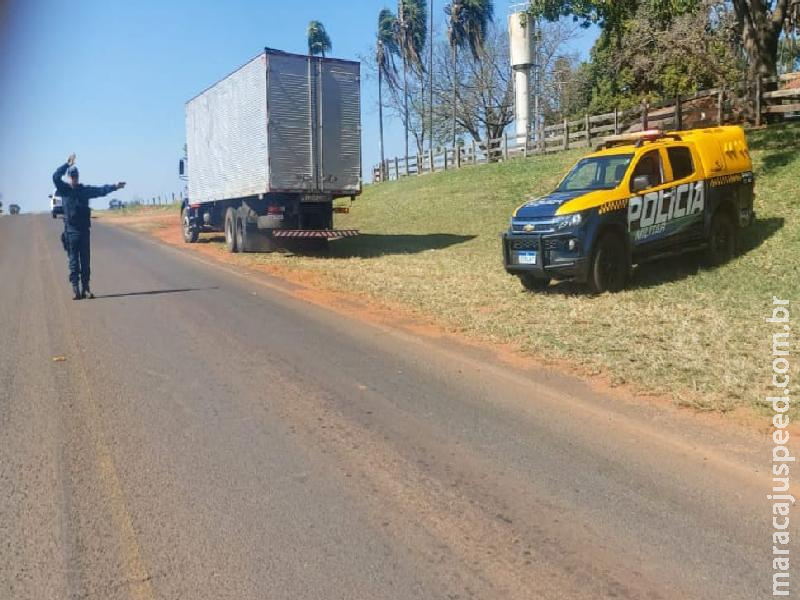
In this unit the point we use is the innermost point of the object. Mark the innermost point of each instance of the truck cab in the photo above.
(640, 196)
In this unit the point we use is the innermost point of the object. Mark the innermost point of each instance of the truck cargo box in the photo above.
(282, 123)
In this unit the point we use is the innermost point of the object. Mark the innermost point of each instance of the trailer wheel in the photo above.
(190, 234)
(241, 234)
(230, 230)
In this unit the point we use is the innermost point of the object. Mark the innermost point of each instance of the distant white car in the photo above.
(56, 205)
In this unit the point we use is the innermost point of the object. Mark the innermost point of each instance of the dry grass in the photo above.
(433, 244)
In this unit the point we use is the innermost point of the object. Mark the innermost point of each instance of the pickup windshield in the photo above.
(597, 173)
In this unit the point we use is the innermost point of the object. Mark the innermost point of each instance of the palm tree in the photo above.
(318, 40)
(411, 34)
(468, 21)
(385, 51)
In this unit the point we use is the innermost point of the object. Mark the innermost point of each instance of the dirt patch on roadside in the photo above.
(311, 287)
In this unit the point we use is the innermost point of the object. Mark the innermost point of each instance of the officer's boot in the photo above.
(77, 292)
(87, 292)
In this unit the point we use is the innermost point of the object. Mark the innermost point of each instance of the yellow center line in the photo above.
(135, 574)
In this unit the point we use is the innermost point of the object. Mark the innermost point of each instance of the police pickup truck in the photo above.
(639, 197)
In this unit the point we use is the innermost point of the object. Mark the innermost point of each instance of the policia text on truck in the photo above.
(642, 196)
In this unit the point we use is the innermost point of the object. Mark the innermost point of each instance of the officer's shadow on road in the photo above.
(154, 292)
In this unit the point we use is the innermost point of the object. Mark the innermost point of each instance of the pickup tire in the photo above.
(721, 239)
(610, 265)
(190, 233)
(230, 230)
(534, 284)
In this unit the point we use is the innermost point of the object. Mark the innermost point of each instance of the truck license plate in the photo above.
(526, 258)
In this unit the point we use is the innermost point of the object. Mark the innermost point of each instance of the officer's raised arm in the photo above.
(58, 176)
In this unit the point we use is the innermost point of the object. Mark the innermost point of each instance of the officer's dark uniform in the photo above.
(77, 224)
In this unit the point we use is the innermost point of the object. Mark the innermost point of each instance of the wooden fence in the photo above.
(767, 102)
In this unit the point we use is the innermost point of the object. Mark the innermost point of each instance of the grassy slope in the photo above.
(432, 243)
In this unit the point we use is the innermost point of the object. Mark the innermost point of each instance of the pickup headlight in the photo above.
(565, 221)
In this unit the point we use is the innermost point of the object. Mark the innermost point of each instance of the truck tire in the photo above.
(721, 239)
(190, 234)
(241, 233)
(534, 284)
(230, 230)
(610, 265)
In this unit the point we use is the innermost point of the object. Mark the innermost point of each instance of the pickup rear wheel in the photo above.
(190, 233)
(721, 239)
(534, 284)
(230, 230)
(610, 265)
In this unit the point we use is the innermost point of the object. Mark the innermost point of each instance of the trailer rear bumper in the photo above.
(308, 234)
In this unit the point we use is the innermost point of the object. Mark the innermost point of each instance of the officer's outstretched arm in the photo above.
(95, 191)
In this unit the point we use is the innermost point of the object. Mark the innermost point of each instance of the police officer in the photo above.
(77, 222)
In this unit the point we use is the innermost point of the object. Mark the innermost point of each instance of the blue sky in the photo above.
(108, 80)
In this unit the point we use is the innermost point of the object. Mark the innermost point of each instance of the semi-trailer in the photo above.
(269, 148)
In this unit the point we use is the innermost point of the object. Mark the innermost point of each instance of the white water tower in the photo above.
(520, 37)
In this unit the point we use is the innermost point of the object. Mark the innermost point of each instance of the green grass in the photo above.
(432, 243)
(141, 209)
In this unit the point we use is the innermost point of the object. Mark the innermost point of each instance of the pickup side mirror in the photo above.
(640, 183)
(181, 168)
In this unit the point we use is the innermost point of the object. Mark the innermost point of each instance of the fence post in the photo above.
(720, 100)
(505, 146)
(540, 140)
(616, 121)
(458, 157)
(758, 101)
(566, 135)
(588, 131)
(645, 116)
(396, 168)
(678, 113)
(430, 159)
(445, 158)
(419, 164)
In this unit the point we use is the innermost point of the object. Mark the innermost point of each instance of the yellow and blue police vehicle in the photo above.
(640, 196)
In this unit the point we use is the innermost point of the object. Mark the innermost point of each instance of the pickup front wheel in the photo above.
(610, 265)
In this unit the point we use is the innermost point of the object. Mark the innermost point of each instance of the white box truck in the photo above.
(268, 150)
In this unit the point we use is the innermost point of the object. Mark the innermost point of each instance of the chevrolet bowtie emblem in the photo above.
(528, 228)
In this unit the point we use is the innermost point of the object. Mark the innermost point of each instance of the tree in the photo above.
(318, 40)
(385, 51)
(467, 24)
(760, 23)
(411, 34)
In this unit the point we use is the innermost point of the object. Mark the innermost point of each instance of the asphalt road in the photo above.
(209, 436)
